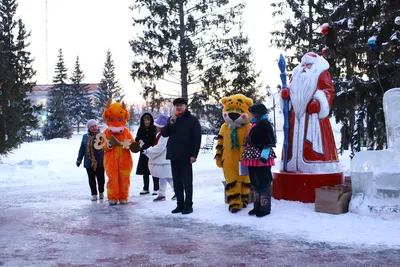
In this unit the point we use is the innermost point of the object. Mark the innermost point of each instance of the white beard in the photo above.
(302, 89)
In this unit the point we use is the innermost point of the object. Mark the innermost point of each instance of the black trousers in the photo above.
(146, 182)
(99, 174)
(261, 178)
(182, 175)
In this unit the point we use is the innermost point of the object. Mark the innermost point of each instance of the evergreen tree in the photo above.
(132, 119)
(82, 109)
(109, 86)
(363, 43)
(300, 21)
(234, 74)
(59, 99)
(17, 115)
(178, 41)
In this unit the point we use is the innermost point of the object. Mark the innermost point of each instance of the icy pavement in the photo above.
(57, 225)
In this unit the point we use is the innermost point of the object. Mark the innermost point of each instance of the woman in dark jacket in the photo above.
(146, 136)
(259, 156)
(93, 159)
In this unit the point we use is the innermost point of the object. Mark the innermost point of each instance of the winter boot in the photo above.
(101, 196)
(159, 198)
(178, 209)
(256, 207)
(155, 193)
(187, 210)
(123, 202)
(144, 192)
(94, 197)
(265, 203)
(112, 202)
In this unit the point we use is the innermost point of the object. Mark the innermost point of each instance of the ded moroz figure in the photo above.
(312, 159)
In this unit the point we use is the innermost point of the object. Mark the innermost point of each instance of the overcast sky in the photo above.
(89, 27)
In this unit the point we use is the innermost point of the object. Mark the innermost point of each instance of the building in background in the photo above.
(39, 96)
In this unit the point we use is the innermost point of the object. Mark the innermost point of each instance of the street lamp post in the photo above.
(269, 93)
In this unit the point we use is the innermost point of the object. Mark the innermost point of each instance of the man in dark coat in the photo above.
(146, 136)
(184, 132)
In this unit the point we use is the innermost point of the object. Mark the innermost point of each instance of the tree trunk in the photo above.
(78, 127)
(182, 51)
(310, 24)
(2, 132)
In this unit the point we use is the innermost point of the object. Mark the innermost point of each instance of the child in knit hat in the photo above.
(93, 159)
(159, 165)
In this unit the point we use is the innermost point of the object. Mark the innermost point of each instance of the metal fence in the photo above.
(33, 137)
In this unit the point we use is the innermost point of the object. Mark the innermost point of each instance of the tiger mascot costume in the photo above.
(231, 141)
(117, 142)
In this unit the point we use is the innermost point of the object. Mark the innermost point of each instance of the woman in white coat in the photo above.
(159, 166)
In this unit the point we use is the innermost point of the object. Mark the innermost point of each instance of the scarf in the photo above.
(234, 139)
(157, 138)
(263, 117)
(90, 149)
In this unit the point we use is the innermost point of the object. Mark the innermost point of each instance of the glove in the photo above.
(135, 147)
(285, 93)
(141, 143)
(113, 141)
(313, 107)
(265, 155)
(78, 164)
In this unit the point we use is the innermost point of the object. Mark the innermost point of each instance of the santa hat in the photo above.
(310, 58)
(320, 63)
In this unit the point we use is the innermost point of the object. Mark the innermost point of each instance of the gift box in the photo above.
(333, 199)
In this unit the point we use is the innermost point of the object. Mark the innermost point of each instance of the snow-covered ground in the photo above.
(52, 163)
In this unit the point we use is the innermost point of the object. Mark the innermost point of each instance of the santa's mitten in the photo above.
(265, 155)
(313, 107)
(113, 141)
(135, 147)
(285, 93)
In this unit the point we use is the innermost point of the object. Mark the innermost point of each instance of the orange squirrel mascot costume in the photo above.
(117, 141)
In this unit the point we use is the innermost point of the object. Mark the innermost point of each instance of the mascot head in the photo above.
(236, 110)
(116, 115)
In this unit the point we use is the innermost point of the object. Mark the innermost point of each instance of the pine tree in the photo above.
(300, 21)
(132, 120)
(363, 44)
(59, 99)
(17, 115)
(235, 74)
(178, 41)
(109, 86)
(358, 132)
(82, 109)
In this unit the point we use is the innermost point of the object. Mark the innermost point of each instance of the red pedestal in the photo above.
(301, 186)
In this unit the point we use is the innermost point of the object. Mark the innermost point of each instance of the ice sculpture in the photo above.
(375, 175)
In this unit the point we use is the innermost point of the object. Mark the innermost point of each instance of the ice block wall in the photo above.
(375, 174)
(391, 105)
